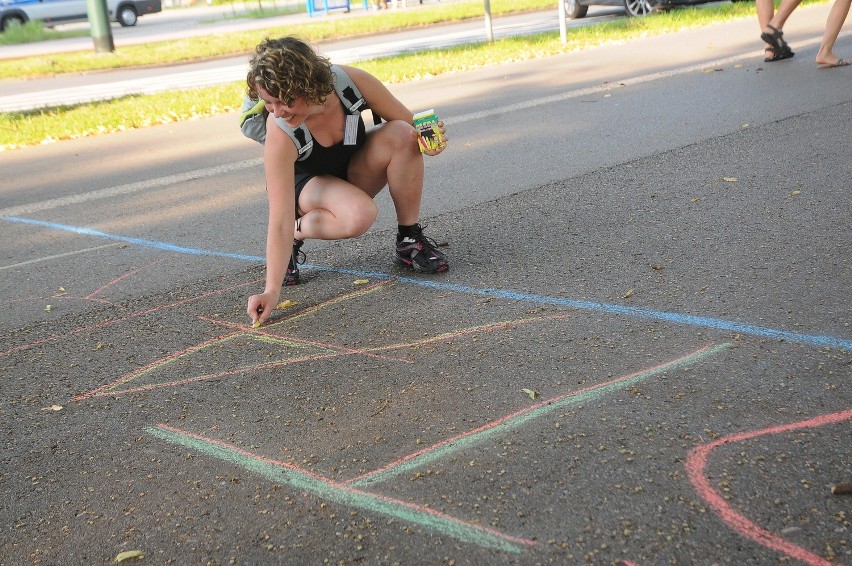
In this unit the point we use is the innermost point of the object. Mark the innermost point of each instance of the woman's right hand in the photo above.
(260, 307)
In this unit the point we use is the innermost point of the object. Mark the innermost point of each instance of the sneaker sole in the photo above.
(416, 267)
(291, 279)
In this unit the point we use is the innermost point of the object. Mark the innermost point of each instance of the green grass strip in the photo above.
(215, 45)
(22, 129)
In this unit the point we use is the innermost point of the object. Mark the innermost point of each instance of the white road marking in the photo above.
(130, 188)
(56, 256)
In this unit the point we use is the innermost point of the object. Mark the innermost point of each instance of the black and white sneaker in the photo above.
(419, 252)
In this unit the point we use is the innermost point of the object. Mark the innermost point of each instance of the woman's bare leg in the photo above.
(833, 24)
(391, 157)
(333, 209)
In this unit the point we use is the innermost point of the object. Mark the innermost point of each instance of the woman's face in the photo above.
(293, 115)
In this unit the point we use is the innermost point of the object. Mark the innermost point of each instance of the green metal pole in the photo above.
(99, 26)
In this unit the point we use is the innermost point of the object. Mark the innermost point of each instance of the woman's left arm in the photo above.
(385, 104)
(378, 97)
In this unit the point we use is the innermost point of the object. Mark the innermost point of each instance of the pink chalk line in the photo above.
(123, 319)
(117, 279)
(696, 463)
(526, 412)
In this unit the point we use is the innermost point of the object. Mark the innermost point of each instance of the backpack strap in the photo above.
(253, 118)
(350, 96)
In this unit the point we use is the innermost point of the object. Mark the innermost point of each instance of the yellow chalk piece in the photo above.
(531, 393)
(285, 304)
(127, 555)
(256, 324)
(361, 281)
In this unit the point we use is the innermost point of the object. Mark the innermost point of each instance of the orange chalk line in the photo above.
(275, 337)
(153, 365)
(351, 295)
(339, 352)
(228, 373)
(696, 464)
(471, 330)
(303, 479)
(108, 389)
(443, 448)
(123, 319)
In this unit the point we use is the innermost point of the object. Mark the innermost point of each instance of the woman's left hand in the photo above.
(439, 149)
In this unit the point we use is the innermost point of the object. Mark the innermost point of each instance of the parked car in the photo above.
(635, 8)
(53, 12)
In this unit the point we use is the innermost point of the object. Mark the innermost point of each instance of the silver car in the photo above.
(53, 12)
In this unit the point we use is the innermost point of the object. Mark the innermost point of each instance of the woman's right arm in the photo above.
(279, 157)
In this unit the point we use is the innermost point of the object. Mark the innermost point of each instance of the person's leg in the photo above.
(777, 49)
(833, 24)
(391, 157)
(327, 208)
(782, 14)
(333, 209)
(765, 11)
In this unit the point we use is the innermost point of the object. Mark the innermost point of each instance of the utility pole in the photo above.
(99, 26)
(489, 30)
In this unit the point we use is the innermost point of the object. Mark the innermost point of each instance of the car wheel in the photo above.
(12, 20)
(127, 16)
(638, 8)
(574, 10)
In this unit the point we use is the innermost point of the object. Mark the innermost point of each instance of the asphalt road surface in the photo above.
(641, 353)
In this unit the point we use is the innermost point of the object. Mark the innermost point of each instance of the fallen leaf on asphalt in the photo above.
(285, 304)
(795, 193)
(52, 408)
(657, 266)
(628, 294)
(361, 281)
(128, 554)
(532, 393)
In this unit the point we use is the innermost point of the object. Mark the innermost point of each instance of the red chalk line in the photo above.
(696, 463)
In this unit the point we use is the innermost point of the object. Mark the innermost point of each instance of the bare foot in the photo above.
(829, 62)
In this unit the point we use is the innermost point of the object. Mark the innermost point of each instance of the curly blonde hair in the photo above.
(288, 68)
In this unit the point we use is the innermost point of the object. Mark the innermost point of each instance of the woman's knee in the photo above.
(399, 134)
(358, 217)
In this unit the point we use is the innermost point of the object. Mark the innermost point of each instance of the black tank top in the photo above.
(333, 160)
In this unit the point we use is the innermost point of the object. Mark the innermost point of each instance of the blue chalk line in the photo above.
(609, 308)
